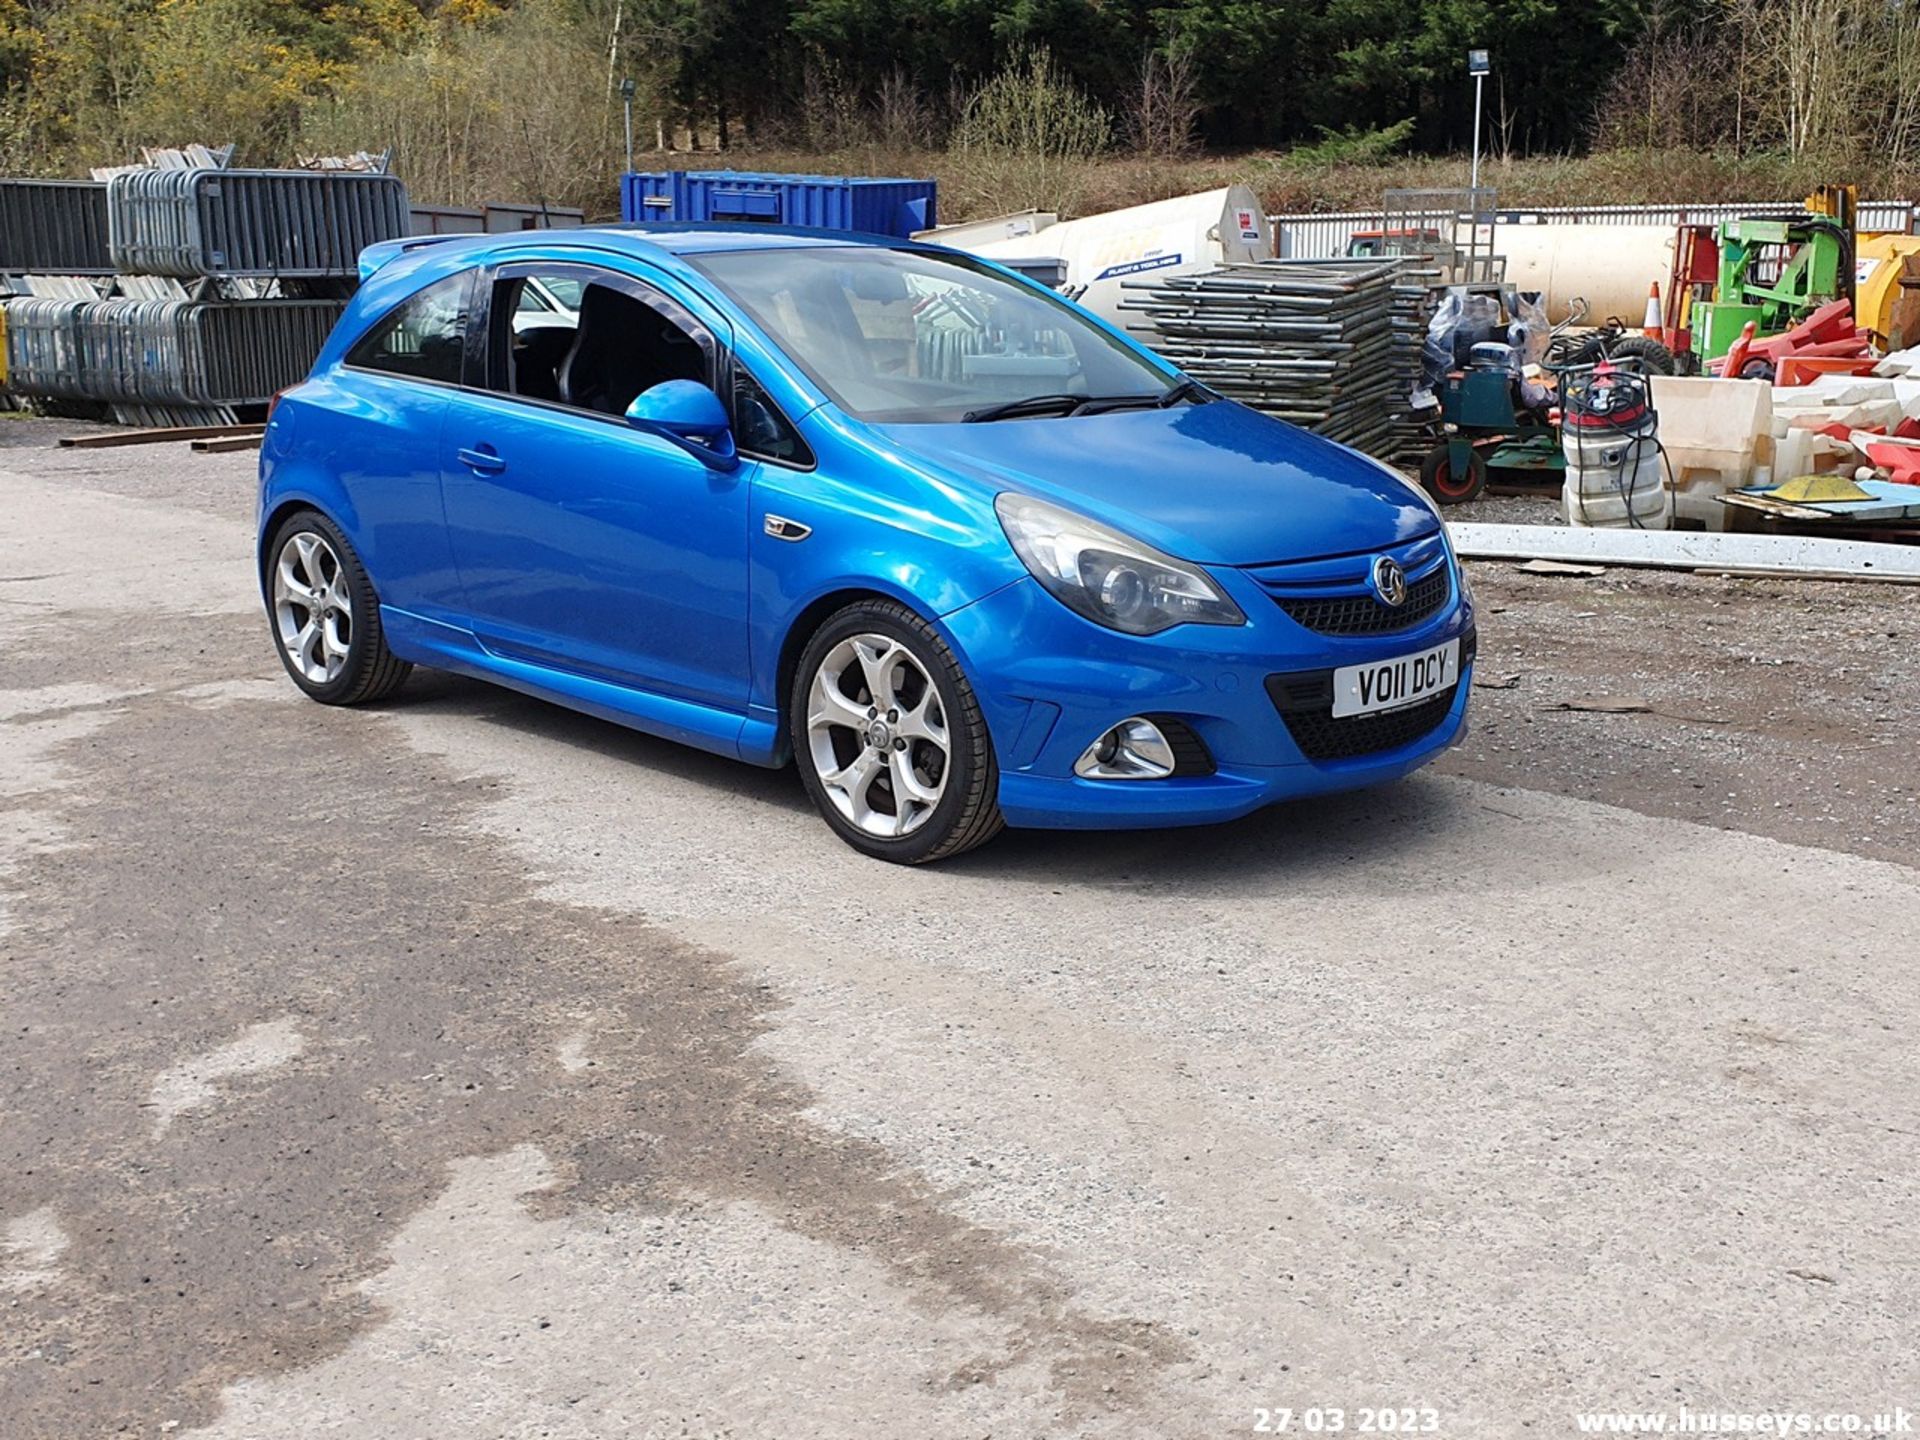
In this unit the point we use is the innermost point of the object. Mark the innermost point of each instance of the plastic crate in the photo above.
(824, 202)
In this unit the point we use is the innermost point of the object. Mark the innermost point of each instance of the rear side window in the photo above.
(423, 338)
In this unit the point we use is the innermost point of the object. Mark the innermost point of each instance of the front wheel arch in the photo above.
(800, 630)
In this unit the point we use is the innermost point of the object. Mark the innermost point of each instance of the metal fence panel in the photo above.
(163, 352)
(55, 226)
(251, 222)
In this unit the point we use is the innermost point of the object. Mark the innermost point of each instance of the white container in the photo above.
(1143, 242)
(1609, 266)
(972, 233)
(1615, 479)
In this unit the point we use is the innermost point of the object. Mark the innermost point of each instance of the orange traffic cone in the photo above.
(1651, 325)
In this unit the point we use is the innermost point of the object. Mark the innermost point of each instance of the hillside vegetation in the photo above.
(1062, 104)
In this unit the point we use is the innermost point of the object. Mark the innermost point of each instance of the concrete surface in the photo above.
(464, 1067)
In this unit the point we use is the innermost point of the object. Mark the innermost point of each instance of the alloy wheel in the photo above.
(312, 607)
(878, 735)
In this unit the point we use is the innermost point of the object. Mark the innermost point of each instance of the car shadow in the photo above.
(1418, 818)
(437, 691)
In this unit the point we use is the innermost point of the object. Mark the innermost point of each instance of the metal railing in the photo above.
(250, 222)
(55, 226)
(163, 352)
(1319, 237)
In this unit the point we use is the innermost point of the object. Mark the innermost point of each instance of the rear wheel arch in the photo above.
(270, 527)
(336, 512)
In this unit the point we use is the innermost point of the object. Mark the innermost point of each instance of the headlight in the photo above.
(1110, 579)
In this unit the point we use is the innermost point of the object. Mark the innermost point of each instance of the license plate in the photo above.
(1391, 684)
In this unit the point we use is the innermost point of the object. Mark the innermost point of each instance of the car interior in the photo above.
(601, 356)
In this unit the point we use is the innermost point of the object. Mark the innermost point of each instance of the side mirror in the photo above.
(691, 416)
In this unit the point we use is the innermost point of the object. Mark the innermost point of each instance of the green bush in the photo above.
(1353, 146)
(1025, 136)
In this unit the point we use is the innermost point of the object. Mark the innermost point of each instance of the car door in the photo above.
(381, 441)
(584, 544)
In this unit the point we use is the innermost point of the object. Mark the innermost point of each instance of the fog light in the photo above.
(1132, 750)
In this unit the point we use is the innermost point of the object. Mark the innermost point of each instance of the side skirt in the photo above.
(448, 647)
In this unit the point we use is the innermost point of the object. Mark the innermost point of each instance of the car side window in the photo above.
(759, 429)
(588, 344)
(422, 338)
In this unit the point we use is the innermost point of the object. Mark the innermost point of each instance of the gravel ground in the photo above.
(465, 1067)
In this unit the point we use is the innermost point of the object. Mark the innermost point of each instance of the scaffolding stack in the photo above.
(1331, 345)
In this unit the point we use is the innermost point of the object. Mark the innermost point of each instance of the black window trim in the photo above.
(734, 365)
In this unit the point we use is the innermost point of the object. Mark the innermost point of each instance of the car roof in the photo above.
(695, 237)
(662, 241)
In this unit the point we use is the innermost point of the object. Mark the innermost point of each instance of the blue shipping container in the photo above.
(826, 202)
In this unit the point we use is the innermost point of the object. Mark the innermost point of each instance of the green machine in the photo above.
(1487, 429)
(1772, 274)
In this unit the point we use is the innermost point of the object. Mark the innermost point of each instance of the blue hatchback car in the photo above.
(967, 555)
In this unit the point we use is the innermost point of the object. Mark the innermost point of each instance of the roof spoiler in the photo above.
(376, 258)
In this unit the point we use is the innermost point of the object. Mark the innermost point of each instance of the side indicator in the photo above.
(781, 528)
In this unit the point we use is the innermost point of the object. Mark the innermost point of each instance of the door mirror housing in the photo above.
(691, 416)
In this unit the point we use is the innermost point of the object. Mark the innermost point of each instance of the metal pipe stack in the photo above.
(1332, 346)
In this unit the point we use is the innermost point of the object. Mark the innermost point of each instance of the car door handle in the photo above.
(482, 460)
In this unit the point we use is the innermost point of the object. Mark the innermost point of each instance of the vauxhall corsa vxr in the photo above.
(965, 554)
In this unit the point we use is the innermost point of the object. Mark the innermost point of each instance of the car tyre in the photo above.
(325, 615)
(889, 738)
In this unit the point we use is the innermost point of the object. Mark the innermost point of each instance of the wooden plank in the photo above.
(158, 435)
(1767, 505)
(221, 444)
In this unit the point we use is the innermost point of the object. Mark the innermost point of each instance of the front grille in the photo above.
(1304, 699)
(1190, 753)
(1365, 614)
(1321, 737)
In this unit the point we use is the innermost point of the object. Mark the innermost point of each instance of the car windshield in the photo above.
(907, 336)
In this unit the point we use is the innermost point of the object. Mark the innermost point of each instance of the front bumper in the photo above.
(1050, 682)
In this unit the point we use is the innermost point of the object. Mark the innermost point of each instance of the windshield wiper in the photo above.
(1032, 405)
(1069, 405)
(1184, 390)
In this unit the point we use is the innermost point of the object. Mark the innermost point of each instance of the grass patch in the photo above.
(975, 185)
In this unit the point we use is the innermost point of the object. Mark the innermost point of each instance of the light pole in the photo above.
(1477, 66)
(626, 100)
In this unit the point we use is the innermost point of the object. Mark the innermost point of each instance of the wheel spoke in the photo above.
(826, 705)
(304, 644)
(877, 662)
(308, 549)
(295, 589)
(855, 781)
(908, 786)
(924, 721)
